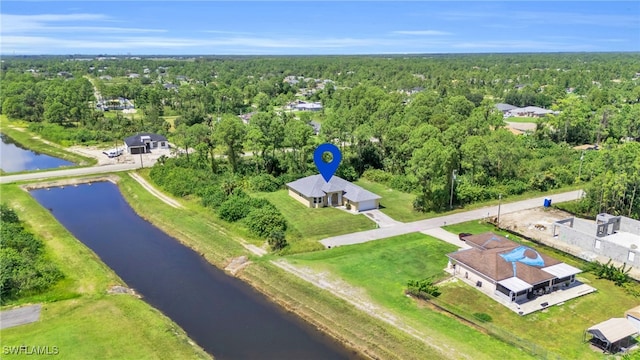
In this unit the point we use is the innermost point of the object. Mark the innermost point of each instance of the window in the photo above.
(632, 256)
(162, 144)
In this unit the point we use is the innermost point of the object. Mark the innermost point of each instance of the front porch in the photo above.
(524, 306)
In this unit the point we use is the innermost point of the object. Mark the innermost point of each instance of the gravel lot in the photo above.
(535, 223)
(95, 152)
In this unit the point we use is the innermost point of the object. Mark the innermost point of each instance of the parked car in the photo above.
(113, 152)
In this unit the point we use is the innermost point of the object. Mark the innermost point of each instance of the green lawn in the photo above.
(476, 227)
(307, 225)
(395, 203)
(564, 324)
(78, 316)
(172, 121)
(517, 119)
(383, 267)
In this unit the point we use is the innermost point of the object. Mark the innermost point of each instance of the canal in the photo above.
(14, 157)
(225, 316)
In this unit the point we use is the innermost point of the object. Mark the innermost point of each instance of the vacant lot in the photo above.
(307, 226)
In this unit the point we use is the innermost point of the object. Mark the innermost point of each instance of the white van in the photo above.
(113, 152)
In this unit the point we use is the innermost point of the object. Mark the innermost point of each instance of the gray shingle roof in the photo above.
(505, 107)
(315, 186)
(136, 141)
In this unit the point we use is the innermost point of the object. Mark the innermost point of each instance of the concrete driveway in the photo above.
(383, 220)
(20, 316)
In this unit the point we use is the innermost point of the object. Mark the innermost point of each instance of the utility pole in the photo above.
(580, 169)
(453, 180)
(141, 164)
(499, 201)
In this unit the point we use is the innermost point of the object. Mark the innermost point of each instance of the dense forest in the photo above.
(420, 124)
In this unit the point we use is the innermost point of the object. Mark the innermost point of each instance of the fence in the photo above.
(498, 333)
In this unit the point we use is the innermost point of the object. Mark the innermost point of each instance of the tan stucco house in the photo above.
(313, 191)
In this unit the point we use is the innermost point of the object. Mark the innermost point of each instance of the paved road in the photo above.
(20, 316)
(69, 172)
(422, 225)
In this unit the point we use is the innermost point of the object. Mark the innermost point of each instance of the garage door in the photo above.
(367, 205)
(135, 150)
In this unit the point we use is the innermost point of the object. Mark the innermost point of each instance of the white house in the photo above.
(145, 142)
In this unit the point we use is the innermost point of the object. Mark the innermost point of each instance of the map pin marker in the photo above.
(327, 169)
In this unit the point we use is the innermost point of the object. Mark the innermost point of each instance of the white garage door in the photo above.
(367, 205)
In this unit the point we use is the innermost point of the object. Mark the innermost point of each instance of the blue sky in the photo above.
(307, 27)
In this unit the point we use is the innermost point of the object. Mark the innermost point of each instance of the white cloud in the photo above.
(35, 44)
(422, 32)
(48, 23)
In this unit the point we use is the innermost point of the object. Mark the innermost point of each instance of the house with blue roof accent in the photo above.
(512, 272)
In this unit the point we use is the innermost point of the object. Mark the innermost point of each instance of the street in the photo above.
(422, 225)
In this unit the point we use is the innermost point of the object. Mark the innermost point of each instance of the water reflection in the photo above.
(14, 157)
(225, 316)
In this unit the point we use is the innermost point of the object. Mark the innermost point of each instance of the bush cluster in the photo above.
(424, 289)
(24, 268)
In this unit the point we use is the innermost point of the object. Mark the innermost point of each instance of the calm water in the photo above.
(225, 316)
(14, 157)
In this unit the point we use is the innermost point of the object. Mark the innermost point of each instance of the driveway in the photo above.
(20, 316)
(421, 225)
(444, 235)
(383, 220)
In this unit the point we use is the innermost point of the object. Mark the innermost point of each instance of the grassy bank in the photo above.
(18, 132)
(78, 316)
(197, 227)
(383, 268)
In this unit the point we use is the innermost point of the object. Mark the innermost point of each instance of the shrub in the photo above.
(347, 172)
(24, 270)
(7, 215)
(376, 175)
(277, 240)
(483, 317)
(423, 288)
(235, 208)
(262, 222)
(619, 275)
(264, 182)
(402, 183)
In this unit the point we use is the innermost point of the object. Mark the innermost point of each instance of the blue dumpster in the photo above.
(547, 202)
